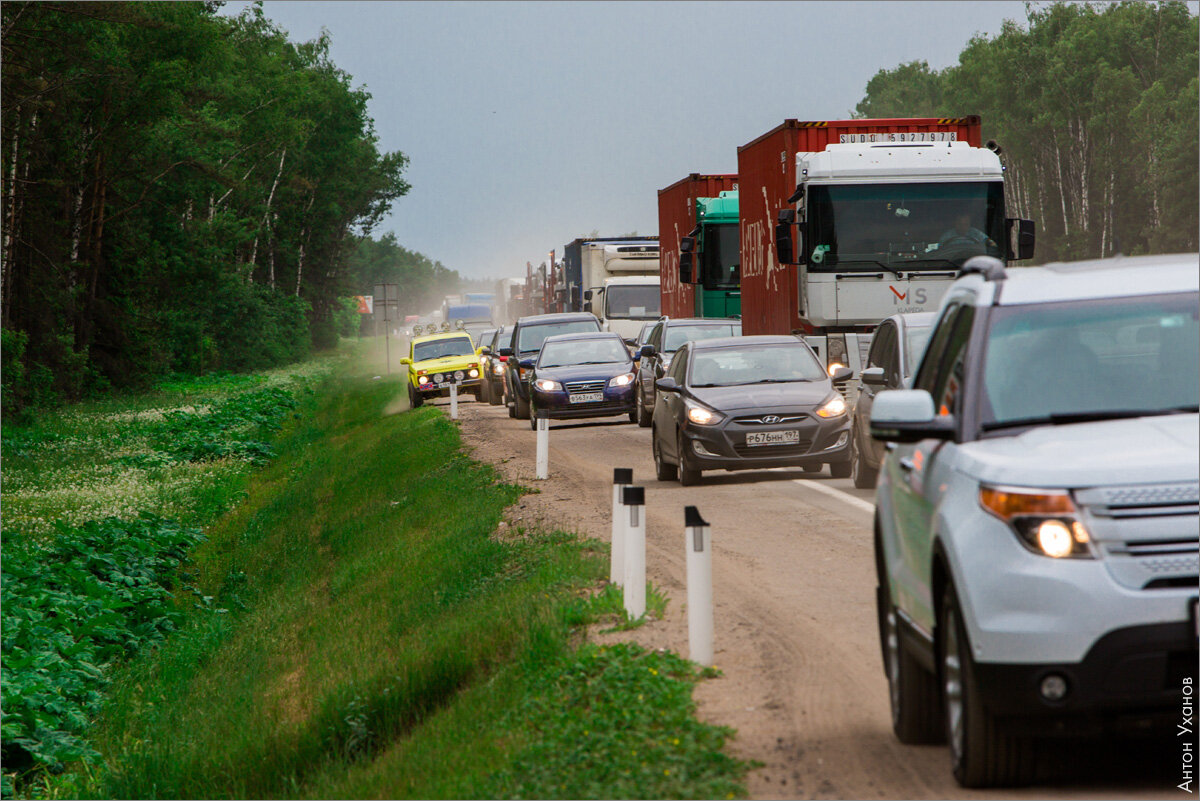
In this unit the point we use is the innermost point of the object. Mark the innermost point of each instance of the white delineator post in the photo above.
(454, 401)
(622, 478)
(635, 551)
(543, 445)
(697, 542)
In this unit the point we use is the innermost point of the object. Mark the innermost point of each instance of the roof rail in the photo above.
(991, 268)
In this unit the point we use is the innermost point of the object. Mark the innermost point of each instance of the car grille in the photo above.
(585, 386)
(792, 449)
(761, 419)
(1147, 533)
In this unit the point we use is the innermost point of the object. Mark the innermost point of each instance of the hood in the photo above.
(446, 363)
(1135, 451)
(756, 397)
(584, 372)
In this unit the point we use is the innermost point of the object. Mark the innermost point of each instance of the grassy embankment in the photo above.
(360, 633)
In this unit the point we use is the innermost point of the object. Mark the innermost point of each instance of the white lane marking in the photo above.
(858, 503)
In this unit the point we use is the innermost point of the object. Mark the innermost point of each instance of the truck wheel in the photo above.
(912, 690)
(644, 415)
(688, 476)
(839, 469)
(662, 470)
(982, 754)
(864, 476)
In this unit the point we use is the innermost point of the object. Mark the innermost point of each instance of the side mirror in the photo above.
(841, 375)
(783, 236)
(645, 351)
(526, 364)
(506, 352)
(588, 305)
(587, 294)
(631, 343)
(874, 377)
(406, 360)
(667, 384)
(687, 244)
(685, 268)
(1020, 247)
(907, 415)
(485, 351)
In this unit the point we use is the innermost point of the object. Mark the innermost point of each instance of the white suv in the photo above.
(1036, 516)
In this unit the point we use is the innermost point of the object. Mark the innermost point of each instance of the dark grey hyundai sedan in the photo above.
(748, 403)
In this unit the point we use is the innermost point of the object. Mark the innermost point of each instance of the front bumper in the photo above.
(724, 446)
(557, 404)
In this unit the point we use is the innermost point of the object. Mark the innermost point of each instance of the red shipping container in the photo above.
(767, 174)
(676, 218)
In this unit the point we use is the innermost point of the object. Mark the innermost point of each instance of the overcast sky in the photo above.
(530, 124)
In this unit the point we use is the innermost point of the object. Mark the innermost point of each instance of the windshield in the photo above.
(633, 301)
(1086, 357)
(677, 335)
(754, 364)
(721, 256)
(916, 339)
(531, 337)
(910, 226)
(437, 348)
(584, 351)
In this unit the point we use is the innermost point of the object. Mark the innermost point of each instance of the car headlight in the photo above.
(424, 379)
(473, 373)
(621, 380)
(1045, 521)
(521, 371)
(498, 368)
(702, 415)
(546, 385)
(834, 407)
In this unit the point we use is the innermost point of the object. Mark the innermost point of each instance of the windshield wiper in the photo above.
(887, 267)
(1086, 417)
(778, 381)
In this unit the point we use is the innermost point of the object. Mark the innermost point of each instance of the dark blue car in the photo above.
(582, 375)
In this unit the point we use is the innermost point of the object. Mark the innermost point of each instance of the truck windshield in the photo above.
(721, 262)
(632, 301)
(924, 226)
(1109, 357)
(437, 348)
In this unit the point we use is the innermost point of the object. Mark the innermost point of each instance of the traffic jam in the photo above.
(1026, 437)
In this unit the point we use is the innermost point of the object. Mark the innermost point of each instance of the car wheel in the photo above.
(532, 416)
(863, 475)
(522, 407)
(912, 690)
(662, 470)
(840, 469)
(415, 399)
(982, 754)
(495, 396)
(688, 476)
(644, 415)
(508, 401)
(483, 392)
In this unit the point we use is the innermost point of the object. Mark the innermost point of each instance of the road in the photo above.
(796, 637)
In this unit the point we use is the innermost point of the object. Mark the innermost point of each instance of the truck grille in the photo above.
(585, 386)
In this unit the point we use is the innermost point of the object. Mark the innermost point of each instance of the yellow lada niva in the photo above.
(438, 360)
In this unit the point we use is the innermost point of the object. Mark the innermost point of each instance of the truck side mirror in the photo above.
(587, 306)
(1022, 246)
(587, 294)
(687, 244)
(685, 268)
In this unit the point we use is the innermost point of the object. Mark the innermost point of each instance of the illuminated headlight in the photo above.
(1045, 521)
(422, 380)
(498, 368)
(834, 407)
(702, 416)
(521, 371)
(473, 373)
(546, 385)
(621, 380)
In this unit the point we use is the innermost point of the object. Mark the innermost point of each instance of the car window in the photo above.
(947, 388)
(583, 351)
(885, 354)
(915, 340)
(676, 335)
(656, 336)
(438, 348)
(755, 364)
(927, 373)
(678, 367)
(531, 337)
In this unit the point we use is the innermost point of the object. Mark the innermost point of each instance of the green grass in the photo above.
(357, 631)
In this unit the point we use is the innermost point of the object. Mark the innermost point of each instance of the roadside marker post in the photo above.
(622, 478)
(697, 542)
(543, 444)
(454, 401)
(635, 551)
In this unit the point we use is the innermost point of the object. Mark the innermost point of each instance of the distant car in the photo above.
(1036, 518)
(642, 337)
(895, 351)
(581, 375)
(748, 403)
(665, 337)
(481, 340)
(436, 362)
(527, 337)
(493, 365)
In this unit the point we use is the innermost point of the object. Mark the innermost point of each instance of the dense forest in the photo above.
(182, 192)
(1095, 109)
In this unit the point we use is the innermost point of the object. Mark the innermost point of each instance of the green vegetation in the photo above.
(351, 628)
(1096, 108)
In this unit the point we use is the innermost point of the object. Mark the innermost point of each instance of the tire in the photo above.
(522, 408)
(495, 396)
(483, 392)
(840, 469)
(688, 476)
(662, 470)
(633, 414)
(644, 416)
(532, 416)
(414, 399)
(912, 690)
(982, 754)
(864, 476)
(512, 407)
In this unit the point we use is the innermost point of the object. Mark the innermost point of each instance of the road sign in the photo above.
(366, 304)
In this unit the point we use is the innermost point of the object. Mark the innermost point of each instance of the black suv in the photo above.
(664, 339)
(527, 337)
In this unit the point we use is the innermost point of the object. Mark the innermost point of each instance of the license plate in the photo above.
(587, 397)
(773, 438)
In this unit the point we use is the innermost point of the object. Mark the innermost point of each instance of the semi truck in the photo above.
(700, 213)
(846, 222)
(615, 278)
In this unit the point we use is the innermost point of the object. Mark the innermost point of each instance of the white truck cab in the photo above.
(625, 304)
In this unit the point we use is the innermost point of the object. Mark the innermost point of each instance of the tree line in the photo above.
(1095, 109)
(182, 192)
